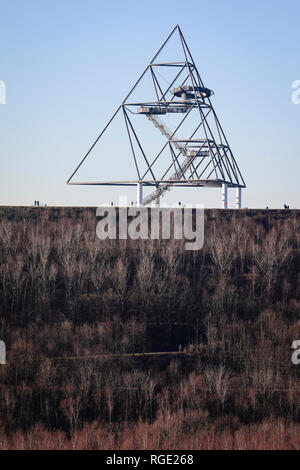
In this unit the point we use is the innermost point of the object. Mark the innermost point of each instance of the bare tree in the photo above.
(271, 255)
(218, 383)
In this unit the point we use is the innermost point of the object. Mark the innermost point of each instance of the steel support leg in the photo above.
(238, 198)
(140, 195)
(224, 196)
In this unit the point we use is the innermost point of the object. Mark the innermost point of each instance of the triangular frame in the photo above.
(212, 164)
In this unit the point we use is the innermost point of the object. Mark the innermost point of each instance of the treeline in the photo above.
(73, 307)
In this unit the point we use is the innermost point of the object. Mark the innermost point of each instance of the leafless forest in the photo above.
(79, 315)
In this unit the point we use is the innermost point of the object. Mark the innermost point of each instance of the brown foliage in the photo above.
(74, 311)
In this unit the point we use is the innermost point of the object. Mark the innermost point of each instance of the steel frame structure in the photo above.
(212, 164)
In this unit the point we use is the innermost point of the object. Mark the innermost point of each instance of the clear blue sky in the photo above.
(68, 64)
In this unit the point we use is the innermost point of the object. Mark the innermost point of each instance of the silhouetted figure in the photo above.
(111, 204)
(132, 203)
(179, 203)
(35, 203)
(267, 208)
(286, 207)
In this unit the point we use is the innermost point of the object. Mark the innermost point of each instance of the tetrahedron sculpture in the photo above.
(191, 147)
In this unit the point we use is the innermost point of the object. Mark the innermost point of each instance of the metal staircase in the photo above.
(159, 192)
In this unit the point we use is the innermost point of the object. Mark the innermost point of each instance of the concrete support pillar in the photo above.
(238, 198)
(140, 194)
(224, 196)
